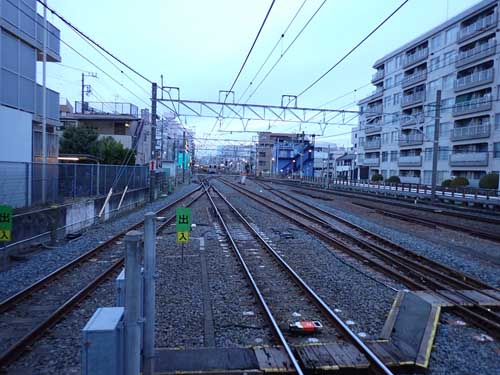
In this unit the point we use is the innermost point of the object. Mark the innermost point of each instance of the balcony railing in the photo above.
(415, 98)
(477, 27)
(410, 161)
(371, 162)
(474, 79)
(414, 78)
(107, 108)
(410, 140)
(374, 95)
(369, 129)
(372, 144)
(471, 132)
(415, 57)
(479, 52)
(473, 105)
(469, 159)
(374, 111)
(409, 179)
(378, 75)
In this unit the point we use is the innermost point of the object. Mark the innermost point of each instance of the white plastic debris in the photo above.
(483, 338)
(193, 225)
(312, 340)
(337, 310)
(248, 313)
(362, 334)
(296, 314)
(350, 322)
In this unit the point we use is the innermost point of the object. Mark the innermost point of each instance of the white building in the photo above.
(458, 57)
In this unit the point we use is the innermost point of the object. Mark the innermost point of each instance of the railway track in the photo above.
(27, 315)
(438, 209)
(416, 272)
(282, 293)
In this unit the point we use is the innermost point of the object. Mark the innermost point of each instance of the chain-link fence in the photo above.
(36, 184)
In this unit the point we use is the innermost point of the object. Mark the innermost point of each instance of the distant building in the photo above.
(236, 157)
(458, 57)
(284, 154)
(21, 46)
(121, 121)
(172, 139)
(345, 167)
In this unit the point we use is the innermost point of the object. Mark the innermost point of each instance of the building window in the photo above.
(437, 41)
(120, 128)
(444, 129)
(397, 98)
(448, 81)
(393, 172)
(390, 65)
(434, 63)
(361, 141)
(394, 136)
(427, 177)
(443, 153)
(398, 78)
(394, 156)
(451, 35)
(497, 121)
(262, 154)
(429, 132)
(262, 163)
(385, 155)
(385, 138)
(496, 150)
(387, 101)
(428, 154)
(449, 58)
(388, 83)
(432, 87)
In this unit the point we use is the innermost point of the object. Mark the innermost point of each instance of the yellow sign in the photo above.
(182, 237)
(5, 235)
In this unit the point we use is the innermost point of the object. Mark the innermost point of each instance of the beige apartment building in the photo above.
(460, 57)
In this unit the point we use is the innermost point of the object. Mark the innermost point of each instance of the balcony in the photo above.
(469, 159)
(408, 120)
(413, 99)
(475, 79)
(52, 104)
(415, 57)
(477, 27)
(378, 75)
(374, 95)
(472, 106)
(414, 78)
(370, 129)
(410, 161)
(411, 139)
(371, 162)
(372, 144)
(477, 53)
(374, 111)
(471, 132)
(409, 179)
(107, 108)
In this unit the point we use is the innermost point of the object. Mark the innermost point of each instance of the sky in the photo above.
(199, 46)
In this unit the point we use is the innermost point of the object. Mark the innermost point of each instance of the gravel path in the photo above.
(40, 264)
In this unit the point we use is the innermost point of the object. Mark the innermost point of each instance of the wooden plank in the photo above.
(481, 298)
(401, 358)
(391, 318)
(265, 360)
(340, 357)
(280, 358)
(424, 352)
(433, 299)
(325, 360)
(358, 359)
(385, 356)
(309, 358)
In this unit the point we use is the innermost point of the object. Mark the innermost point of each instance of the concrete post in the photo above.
(149, 293)
(132, 304)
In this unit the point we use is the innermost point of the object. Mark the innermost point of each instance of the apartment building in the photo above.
(21, 97)
(396, 130)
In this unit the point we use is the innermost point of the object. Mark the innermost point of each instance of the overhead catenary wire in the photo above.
(352, 49)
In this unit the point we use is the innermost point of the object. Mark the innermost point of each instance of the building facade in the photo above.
(459, 57)
(21, 109)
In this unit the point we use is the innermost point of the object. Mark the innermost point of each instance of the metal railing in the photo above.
(114, 108)
(416, 97)
(479, 51)
(23, 183)
(378, 75)
(372, 162)
(481, 23)
(375, 110)
(473, 105)
(471, 132)
(372, 144)
(469, 159)
(473, 79)
(410, 139)
(414, 78)
(410, 161)
(418, 55)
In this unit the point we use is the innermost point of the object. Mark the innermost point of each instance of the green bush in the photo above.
(459, 182)
(393, 180)
(377, 177)
(446, 183)
(489, 181)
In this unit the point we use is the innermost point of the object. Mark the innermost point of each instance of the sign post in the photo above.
(5, 223)
(182, 226)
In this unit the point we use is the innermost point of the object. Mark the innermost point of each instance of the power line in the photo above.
(353, 49)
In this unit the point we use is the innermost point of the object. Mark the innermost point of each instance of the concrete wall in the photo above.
(15, 135)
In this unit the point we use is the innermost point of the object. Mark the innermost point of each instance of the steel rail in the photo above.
(418, 280)
(438, 209)
(21, 345)
(379, 366)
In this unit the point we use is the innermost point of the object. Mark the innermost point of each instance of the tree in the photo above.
(79, 140)
(377, 177)
(393, 180)
(110, 151)
(459, 182)
(489, 181)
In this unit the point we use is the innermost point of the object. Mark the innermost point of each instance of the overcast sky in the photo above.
(199, 46)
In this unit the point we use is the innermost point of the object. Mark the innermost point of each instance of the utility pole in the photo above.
(44, 105)
(86, 88)
(435, 147)
(328, 168)
(154, 90)
(183, 156)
